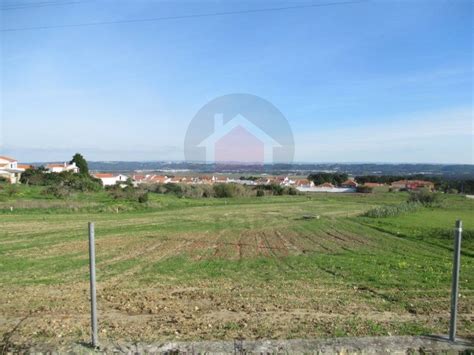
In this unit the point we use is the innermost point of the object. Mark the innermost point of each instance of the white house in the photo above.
(110, 179)
(285, 181)
(59, 168)
(222, 130)
(9, 169)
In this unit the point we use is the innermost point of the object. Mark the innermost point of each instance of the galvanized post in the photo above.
(455, 284)
(95, 341)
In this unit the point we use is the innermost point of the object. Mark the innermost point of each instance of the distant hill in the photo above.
(448, 170)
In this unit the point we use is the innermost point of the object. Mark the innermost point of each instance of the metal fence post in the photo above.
(455, 284)
(95, 342)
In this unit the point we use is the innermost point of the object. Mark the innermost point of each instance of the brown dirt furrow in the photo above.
(316, 245)
(288, 243)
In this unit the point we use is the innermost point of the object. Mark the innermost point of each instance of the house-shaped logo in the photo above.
(239, 128)
(238, 140)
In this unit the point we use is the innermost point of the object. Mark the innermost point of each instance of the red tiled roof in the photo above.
(24, 166)
(349, 182)
(103, 175)
(8, 159)
(158, 178)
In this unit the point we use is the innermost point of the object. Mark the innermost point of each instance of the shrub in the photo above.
(77, 182)
(228, 190)
(207, 191)
(57, 191)
(182, 190)
(291, 191)
(277, 190)
(364, 189)
(175, 189)
(12, 190)
(391, 211)
(128, 193)
(81, 182)
(424, 197)
(143, 197)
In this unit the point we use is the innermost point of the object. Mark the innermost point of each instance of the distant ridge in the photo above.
(446, 170)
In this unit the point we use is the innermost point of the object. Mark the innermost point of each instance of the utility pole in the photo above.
(455, 281)
(95, 341)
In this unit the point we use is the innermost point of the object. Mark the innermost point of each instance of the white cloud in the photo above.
(440, 137)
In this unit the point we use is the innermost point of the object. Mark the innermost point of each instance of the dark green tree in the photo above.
(81, 163)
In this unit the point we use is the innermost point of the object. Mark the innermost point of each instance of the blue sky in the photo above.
(375, 81)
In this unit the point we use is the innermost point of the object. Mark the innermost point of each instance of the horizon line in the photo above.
(254, 163)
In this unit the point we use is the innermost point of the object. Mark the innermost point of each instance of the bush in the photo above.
(291, 191)
(78, 182)
(143, 198)
(207, 191)
(424, 197)
(81, 182)
(391, 211)
(364, 189)
(228, 190)
(128, 193)
(277, 190)
(12, 190)
(57, 191)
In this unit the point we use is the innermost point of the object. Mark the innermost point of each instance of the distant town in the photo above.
(11, 170)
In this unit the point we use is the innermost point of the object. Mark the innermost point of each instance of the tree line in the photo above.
(444, 184)
(323, 177)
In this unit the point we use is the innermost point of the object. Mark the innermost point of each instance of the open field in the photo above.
(190, 269)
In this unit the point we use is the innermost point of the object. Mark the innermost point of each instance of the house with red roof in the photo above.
(59, 168)
(9, 169)
(412, 185)
(349, 183)
(109, 179)
(304, 183)
(25, 166)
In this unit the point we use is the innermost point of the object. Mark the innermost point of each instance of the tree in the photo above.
(81, 163)
(333, 178)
